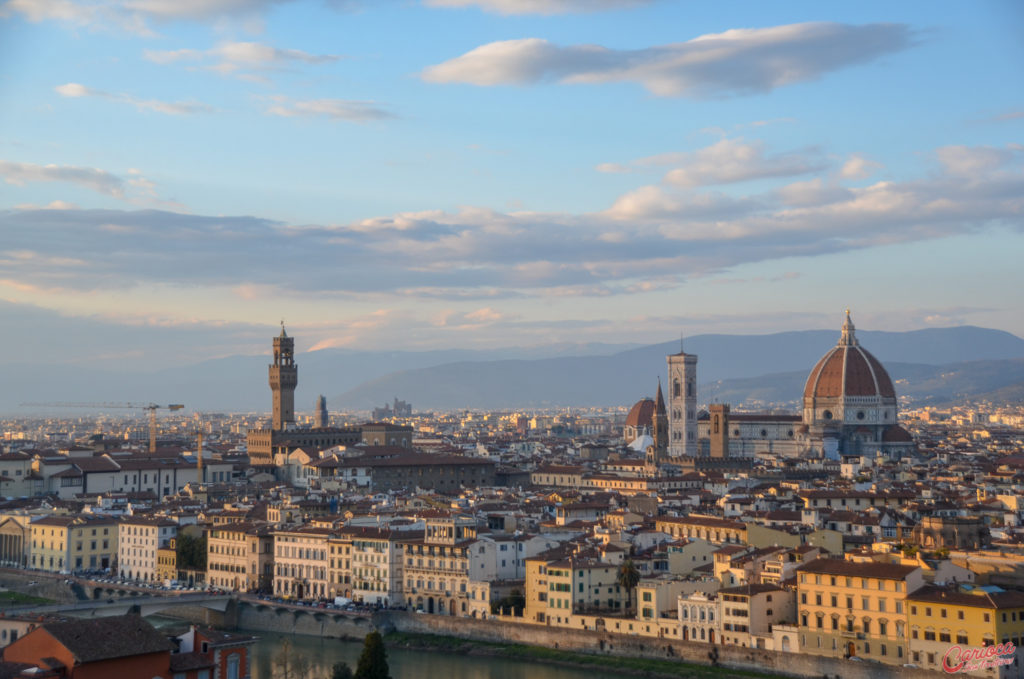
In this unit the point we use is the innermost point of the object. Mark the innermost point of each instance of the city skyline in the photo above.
(177, 177)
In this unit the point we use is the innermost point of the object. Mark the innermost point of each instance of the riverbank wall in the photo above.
(611, 644)
(337, 624)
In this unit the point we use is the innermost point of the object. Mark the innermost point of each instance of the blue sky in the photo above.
(176, 176)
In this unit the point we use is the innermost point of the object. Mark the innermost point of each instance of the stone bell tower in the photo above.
(284, 377)
(682, 404)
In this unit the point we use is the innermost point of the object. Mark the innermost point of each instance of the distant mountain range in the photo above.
(731, 368)
(934, 365)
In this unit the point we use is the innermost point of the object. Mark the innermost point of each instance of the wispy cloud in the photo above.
(111, 15)
(77, 90)
(242, 59)
(540, 6)
(132, 188)
(736, 62)
(91, 178)
(335, 109)
(727, 161)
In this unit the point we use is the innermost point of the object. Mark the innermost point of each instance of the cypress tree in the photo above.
(373, 662)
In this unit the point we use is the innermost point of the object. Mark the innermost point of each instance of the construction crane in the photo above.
(151, 407)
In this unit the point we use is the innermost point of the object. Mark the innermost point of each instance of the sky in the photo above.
(179, 176)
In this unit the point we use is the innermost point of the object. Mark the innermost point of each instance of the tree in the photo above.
(341, 670)
(373, 661)
(628, 578)
(191, 551)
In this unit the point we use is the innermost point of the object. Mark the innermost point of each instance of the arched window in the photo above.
(234, 660)
(716, 424)
(675, 388)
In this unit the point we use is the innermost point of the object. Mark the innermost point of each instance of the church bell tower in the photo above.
(682, 404)
(284, 376)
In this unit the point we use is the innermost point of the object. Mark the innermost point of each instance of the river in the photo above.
(321, 654)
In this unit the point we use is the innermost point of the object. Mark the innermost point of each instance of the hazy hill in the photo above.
(626, 376)
(577, 374)
(999, 381)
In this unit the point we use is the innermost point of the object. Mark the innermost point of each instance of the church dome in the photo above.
(848, 370)
(641, 414)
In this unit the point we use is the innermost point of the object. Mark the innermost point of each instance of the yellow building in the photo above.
(339, 566)
(167, 561)
(239, 557)
(65, 544)
(847, 608)
(709, 528)
(559, 585)
(946, 623)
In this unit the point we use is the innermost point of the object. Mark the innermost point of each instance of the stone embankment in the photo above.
(259, 616)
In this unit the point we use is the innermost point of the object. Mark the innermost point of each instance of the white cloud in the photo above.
(197, 9)
(92, 178)
(76, 90)
(335, 109)
(240, 58)
(727, 161)
(78, 13)
(858, 167)
(539, 6)
(738, 61)
(613, 168)
(172, 56)
(812, 192)
(969, 160)
(134, 16)
(654, 233)
(734, 160)
(135, 189)
(52, 205)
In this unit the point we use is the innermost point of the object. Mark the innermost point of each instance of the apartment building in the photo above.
(240, 557)
(138, 539)
(378, 557)
(855, 608)
(63, 544)
(966, 617)
(301, 562)
(709, 528)
(437, 567)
